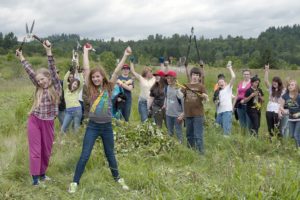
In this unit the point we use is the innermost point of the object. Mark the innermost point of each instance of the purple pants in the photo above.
(40, 139)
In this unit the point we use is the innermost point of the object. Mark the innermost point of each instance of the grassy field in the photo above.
(239, 167)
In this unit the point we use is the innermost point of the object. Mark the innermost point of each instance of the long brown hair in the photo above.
(54, 96)
(106, 84)
(277, 93)
(159, 86)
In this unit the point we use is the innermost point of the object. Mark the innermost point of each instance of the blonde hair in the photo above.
(296, 91)
(145, 71)
(54, 96)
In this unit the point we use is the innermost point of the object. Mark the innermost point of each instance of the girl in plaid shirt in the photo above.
(40, 125)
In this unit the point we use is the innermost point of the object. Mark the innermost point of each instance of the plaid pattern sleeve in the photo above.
(29, 71)
(47, 110)
(54, 75)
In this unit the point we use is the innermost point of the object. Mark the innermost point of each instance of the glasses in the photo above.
(246, 74)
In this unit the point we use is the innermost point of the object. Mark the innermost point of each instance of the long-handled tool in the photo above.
(192, 36)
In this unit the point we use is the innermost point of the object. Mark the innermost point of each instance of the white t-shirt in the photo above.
(145, 86)
(225, 97)
(273, 104)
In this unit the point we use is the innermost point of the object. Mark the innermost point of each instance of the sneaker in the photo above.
(72, 187)
(123, 184)
(45, 178)
(36, 183)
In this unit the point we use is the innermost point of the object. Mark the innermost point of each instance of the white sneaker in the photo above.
(123, 184)
(72, 187)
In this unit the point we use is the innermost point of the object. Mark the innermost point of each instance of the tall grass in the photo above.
(238, 167)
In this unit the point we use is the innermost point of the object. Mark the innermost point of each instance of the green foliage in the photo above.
(146, 136)
(36, 61)
(272, 46)
(9, 56)
(108, 60)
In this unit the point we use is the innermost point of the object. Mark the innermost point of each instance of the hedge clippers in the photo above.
(30, 36)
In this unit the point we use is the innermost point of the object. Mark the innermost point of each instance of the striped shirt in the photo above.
(47, 110)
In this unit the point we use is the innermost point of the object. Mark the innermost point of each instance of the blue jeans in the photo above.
(244, 119)
(194, 132)
(171, 123)
(93, 131)
(284, 126)
(82, 110)
(225, 121)
(295, 131)
(72, 114)
(142, 107)
(61, 116)
(126, 109)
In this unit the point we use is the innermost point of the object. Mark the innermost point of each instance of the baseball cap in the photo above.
(125, 66)
(159, 73)
(171, 73)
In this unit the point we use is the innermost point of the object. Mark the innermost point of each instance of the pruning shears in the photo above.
(30, 36)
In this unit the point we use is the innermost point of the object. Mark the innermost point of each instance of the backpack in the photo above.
(118, 101)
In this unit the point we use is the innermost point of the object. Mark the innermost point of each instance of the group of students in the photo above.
(97, 102)
(92, 94)
(71, 106)
(282, 111)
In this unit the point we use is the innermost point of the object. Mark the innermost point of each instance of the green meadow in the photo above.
(154, 165)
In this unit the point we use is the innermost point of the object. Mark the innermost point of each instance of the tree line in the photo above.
(279, 46)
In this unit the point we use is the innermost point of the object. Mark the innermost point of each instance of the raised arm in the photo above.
(66, 80)
(51, 66)
(229, 67)
(27, 67)
(139, 77)
(86, 62)
(114, 76)
(266, 78)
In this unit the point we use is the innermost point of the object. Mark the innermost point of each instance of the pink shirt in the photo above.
(241, 90)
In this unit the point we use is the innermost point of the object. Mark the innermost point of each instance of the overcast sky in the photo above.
(136, 19)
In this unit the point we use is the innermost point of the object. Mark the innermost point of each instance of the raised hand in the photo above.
(19, 54)
(87, 47)
(128, 51)
(267, 67)
(47, 45)
(229, 65)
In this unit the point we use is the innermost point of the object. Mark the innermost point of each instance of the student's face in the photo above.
(149, 75)
(195, 78)
(292, 86)
(255, 84)
(42, 80)
(125, 71)
(74, 85)
(157, 78)
(97, 78)
(170, 80)
(246, 75)
(71, 77)
(275, 84)
(221, 83)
